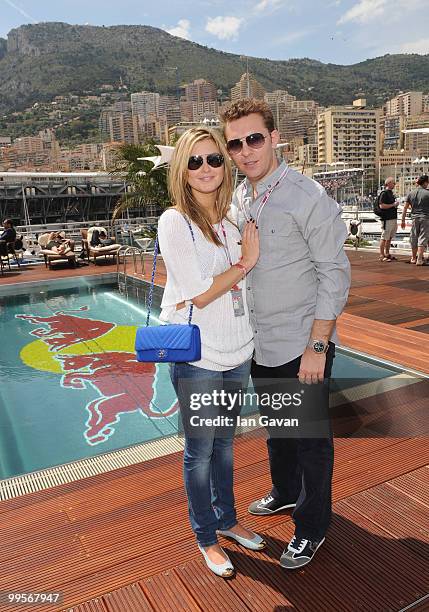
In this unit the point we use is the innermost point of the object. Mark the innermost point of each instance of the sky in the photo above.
(336, 31)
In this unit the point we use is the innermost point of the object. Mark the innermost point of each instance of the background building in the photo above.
(350, 135)
(417, 144)
(410, 103)
(247, 87)
(200, 91)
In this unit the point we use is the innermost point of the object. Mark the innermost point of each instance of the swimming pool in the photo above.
(70, 386)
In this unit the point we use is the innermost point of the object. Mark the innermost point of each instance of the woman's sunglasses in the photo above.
(254, 141)
(215, 160)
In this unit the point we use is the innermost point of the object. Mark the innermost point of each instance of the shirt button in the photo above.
(256, 331)
(273, 231)
(251, 310)
(269, 186)
(248, 288)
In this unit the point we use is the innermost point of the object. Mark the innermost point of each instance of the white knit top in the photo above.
(226, 340)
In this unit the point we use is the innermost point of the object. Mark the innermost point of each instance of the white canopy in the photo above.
(160, 160)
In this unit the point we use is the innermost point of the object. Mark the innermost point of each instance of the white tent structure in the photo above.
(160, 160)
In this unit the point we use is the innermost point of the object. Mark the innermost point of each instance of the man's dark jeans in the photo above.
(301, 468)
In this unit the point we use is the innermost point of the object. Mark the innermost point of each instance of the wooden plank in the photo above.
(167, 592)
(94, 605)
(412, 486)
(408, 525)
(210, 592)
(130, 598)
(403, 297)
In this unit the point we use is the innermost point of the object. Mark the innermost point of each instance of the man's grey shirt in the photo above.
(419, 200)
(302, 273)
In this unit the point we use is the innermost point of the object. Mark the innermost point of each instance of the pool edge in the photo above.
(31, 482)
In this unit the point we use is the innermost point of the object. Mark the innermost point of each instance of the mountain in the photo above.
(40, 61)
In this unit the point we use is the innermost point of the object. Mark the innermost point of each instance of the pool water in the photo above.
(70, 386)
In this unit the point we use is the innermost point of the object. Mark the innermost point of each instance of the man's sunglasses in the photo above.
(215, 160)
(254, 141)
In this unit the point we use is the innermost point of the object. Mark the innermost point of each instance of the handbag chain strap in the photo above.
(152, 282)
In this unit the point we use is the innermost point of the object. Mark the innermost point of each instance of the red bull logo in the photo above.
(97, 355)
(62, 330)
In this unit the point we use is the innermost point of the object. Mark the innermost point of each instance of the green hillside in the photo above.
(43, 60)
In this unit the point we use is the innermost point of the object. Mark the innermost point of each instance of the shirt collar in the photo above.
(268, 181)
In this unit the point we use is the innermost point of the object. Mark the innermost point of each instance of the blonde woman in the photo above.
(206, 266)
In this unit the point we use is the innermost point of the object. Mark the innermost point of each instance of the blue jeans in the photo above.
(208, 456)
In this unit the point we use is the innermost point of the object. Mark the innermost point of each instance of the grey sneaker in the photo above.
(299, 552)
(268, 505)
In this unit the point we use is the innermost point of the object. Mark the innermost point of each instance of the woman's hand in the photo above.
(250, 245)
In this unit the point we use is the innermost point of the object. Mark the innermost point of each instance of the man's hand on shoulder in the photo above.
(312, 368)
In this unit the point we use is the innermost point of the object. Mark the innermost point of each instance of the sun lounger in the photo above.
(52, 257)
(95, 252)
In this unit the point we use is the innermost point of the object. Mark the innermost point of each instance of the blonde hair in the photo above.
(180, 191)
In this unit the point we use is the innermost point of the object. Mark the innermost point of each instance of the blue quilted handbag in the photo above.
(168, 343)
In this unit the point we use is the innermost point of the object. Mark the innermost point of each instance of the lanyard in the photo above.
(226, 251)
(224, 245)
(264, 199)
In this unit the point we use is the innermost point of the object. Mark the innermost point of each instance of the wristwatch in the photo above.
(318, 346)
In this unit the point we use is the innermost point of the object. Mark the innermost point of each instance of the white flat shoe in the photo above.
(255, 543)
(224, 570)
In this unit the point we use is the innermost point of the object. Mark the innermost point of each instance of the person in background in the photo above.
(418, 199)
(99, 239)
(206, 268)
(58, 243)
(8, 235)
(388, 204)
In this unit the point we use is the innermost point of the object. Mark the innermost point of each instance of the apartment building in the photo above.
(410, 103)
(200, 91)
(110, 116)
(145, 103)
(297, 124)
(247, 87)
(28, 144)
(393, 132)
(308, 155)
(279, 95)
(175, 131)
(203, 110)
(123, 127)
(417, 144)
(349, 134)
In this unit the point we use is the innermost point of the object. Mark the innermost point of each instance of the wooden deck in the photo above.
(121, 541)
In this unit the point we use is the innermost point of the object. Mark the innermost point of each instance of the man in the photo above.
(295, 293)
(9, 232)
(419, 236)
(7, 236)
(389, 206)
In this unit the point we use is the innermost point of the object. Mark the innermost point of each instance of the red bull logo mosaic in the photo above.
(99, 356)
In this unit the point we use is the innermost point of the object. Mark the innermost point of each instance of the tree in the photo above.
(148, 184)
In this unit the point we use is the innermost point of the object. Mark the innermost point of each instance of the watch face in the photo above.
(319, 346)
